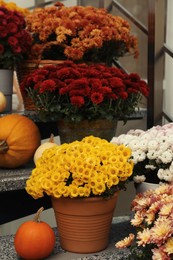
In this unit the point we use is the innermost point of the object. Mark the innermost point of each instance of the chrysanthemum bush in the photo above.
(87, 168)
(79, 33)
(152, 153)
(80, 91)
(153, 221)
(14, 7)
(15, 41)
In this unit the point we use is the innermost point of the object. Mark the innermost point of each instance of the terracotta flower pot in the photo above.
(84, 223)
(70, 131)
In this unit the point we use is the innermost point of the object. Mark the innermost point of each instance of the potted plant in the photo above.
(80, 92)
(15, 42)
(79, 33)
(14, 7)
(153, 223)
(83, 179)
(152, 153)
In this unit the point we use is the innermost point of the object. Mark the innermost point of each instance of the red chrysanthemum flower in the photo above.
(66, 73)
(116, 82)
(75, 87)
(47, 85)
(38, 78)
(97, 98)
(12, 28)
(3, 31)
(123, 95)
(64, 90)
(96, 84)
(17, 49)
(77, 101)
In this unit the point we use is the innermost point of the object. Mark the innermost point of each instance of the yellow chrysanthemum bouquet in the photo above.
(87, 168)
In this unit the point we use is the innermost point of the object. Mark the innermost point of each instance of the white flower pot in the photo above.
(144, 186)
(6, 87)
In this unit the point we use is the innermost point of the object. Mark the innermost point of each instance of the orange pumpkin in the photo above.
(34, 239)
(19, 139)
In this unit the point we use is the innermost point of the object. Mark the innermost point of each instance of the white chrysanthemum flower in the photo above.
(122, 139)
(152, 154)
(143, 145)
(160, 174)
(127, 139)
(115, 140)
(134, 144)
(166, 156)
(165, 175)
(136, 132)
(164, 146)
(162, 139)
(152, 132)
(138, 156)
(139, 179)
(168, 126)
(150, 166)
(170, 137)
(153, 145)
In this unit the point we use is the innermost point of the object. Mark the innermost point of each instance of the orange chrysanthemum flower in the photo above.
(99, 32)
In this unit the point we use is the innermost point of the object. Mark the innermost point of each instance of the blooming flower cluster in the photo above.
(86, 168)
(153, 220)
(15, 41)
(81, 91)
(14, 7)
(152, 152)
(79, 33)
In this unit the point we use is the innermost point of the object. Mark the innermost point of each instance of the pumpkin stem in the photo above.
(37, 215)
(51, 139)
(3, 146)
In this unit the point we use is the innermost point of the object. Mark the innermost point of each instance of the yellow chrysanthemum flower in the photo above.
(99, 188)
(73, 190)
(77, 169)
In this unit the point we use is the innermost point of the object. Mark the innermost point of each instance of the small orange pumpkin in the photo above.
(34, 239)
(19, 139)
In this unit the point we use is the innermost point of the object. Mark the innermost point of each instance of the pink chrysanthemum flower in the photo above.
(166, 209)
(138, 218)
(159, 254)
(154, 223)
